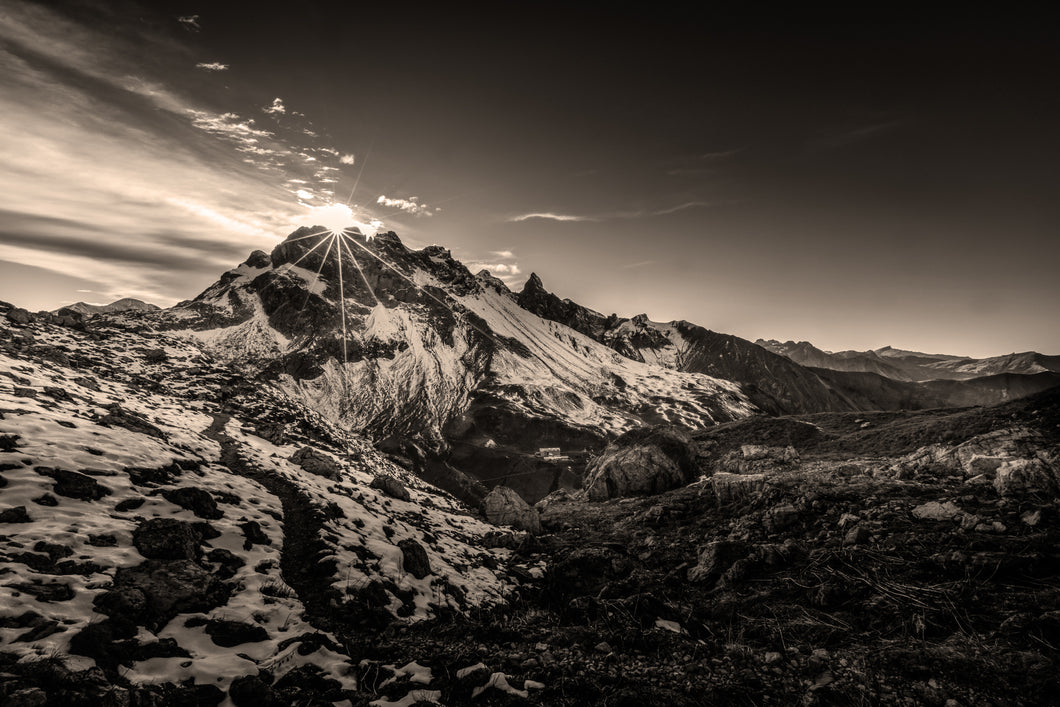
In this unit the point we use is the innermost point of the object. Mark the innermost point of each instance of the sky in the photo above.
(884, 177)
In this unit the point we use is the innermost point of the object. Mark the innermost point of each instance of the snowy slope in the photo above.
(104, 433)
(427, 345)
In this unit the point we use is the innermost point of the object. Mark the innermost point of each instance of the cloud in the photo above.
(211, 66)
(303, 194)
(503, 253)
(277, 107)
(411, 205)
(190, 22)
(347, 159)
(551, 217)
(853, 136)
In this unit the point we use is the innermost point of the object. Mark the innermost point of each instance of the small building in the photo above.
(552, 454)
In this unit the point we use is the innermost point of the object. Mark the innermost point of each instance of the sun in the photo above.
(334, 217)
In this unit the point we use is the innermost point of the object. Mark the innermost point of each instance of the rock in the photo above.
(234, 633)
(17, 315)
(603, 647)
(30, 696)
(643, 461)
(152, 593)
(856, 535)
(414, 558)
(586, 570)
(196, 500)
(155, 355)
(503, 506)
(772, 657)
(56, 591)
(715, 559)
(253, 534)
(756, 452)
(846, 520)
(934, 510)
(168, 539)
(252, 691)
(103, 540)
(119, 417)
(780, 517)
(129, 504)
(20, 392)
(391, 487)
(1031, 518)
(274, 432)
(73, 484)
(17, 514)
(317, 462)
(732, 488)
(1024, 476)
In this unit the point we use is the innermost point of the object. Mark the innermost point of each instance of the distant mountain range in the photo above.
(127, 304)
(912, 365)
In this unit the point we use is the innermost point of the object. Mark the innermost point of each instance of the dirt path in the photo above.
(302, 524)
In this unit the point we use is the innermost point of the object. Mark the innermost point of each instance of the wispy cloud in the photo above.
(639, 264)
(851, 136)
(549, 216)
(503, 266)
(503, 253)
(190, 22)
(618, 215)
(211, 66)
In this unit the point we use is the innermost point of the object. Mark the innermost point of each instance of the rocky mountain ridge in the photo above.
(914, 366)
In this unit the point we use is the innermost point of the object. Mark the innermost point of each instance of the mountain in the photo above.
(800, 378)
(430, 352)
(126, 304)
(176, 528)
(900, 365)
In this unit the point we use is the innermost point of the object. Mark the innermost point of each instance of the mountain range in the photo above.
(126, 304)
(312, 484)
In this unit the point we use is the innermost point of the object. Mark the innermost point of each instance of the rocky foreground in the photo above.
(174, 534)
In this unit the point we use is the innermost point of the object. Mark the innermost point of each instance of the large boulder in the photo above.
(391, 487)
(1025, 476)
(317, 462)
(735, 488)
(152, 593)
(642, 462)
(414, 558)
(759, 459)
(503, 506)
(168, 539)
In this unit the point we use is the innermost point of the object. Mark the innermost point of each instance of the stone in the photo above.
(934, 510)
(317, 462)
(716, 558)
(503, 506)
(196, 500)
(253, 534)
(168, 539)
(17, 514)
(1024, 476)
(119, 417)
(856, 535)
(391, 487)
(17, 315)
(642, 462)
(733, 488)
(152, 593)
(1031, 518)
(414, 558)
(227, 633)
(73, 484)
(780, 517)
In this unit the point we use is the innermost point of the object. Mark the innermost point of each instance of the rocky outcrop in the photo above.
(759, 459)
(642, 462)
(391, 487)
(503, 506)
(317, 462)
